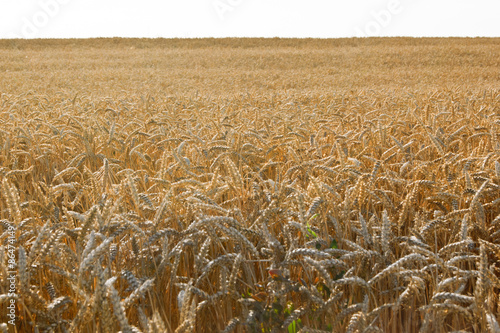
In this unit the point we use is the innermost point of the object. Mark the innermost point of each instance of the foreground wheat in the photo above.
(356, 213)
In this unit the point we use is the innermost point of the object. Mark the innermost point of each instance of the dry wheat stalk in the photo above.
(397, 188)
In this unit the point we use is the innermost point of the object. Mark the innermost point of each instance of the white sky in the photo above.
(247, 18)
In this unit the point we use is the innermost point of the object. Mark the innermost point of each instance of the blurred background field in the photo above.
(232, 67)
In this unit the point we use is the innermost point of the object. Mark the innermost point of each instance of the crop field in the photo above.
(250, 185)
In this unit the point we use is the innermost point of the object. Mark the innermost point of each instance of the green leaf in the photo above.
(313, 217)
(309, 230)
(295, 326)
(333, 244)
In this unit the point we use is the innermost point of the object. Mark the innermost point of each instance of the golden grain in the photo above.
(254, 185)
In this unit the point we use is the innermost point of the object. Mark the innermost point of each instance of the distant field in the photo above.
(250, 185)
(232, 67)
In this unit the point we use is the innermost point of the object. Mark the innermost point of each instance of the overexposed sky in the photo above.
(248, 18)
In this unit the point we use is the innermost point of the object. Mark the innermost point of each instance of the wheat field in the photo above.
(250, 185)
